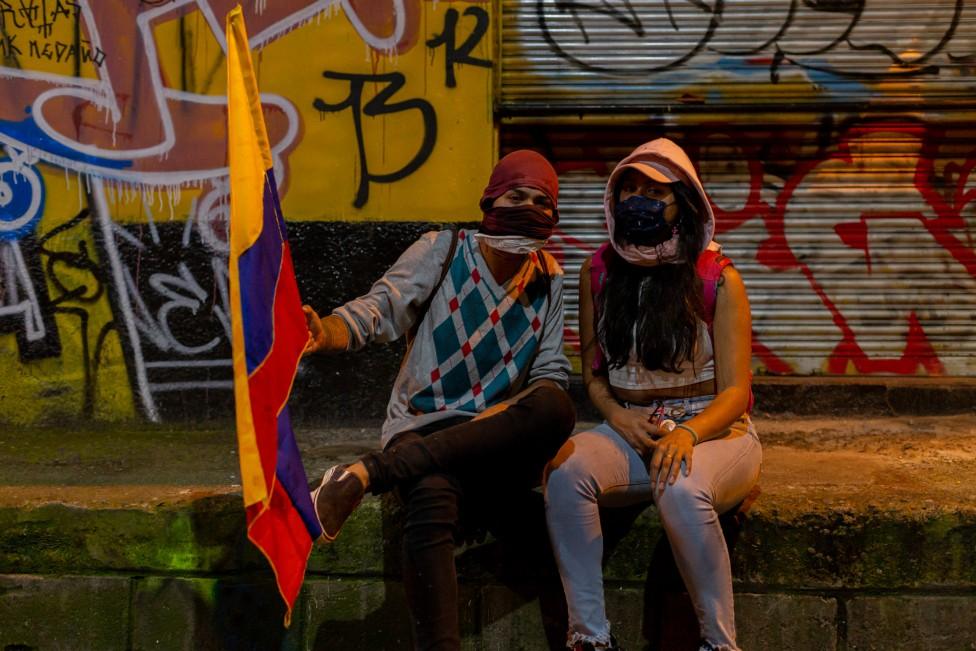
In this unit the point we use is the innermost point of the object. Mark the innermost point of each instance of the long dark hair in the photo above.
(664, 301)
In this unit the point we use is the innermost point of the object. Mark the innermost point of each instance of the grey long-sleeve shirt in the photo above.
(476, 338)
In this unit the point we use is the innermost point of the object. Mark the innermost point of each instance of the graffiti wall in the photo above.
(656, 54)
(113, 194)
(836, 140)
(835, 137)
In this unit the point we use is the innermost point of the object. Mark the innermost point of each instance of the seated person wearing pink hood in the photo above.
(666, 333)
(479, 405)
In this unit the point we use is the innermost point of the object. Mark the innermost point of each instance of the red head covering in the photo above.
(522, 168)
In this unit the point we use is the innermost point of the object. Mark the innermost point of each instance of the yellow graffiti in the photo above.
(100, 292)
(88, 377)
(313, 65)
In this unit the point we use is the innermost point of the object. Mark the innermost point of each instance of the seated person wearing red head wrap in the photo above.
(479, 405)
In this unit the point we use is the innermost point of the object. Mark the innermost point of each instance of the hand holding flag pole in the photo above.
(268, 334)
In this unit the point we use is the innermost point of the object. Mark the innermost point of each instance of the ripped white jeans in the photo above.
(598, 468)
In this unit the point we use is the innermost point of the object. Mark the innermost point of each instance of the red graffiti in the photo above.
(867, 178)
(867, 222)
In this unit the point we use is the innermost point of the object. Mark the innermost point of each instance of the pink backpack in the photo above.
(709, 267)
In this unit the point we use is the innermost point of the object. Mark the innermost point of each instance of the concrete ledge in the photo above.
(777, 548)
(863, 537)
(865, 396)
(802, 582)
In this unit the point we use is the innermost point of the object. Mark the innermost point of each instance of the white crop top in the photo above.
(634, 376)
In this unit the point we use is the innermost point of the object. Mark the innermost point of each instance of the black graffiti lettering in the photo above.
(902, 67)
(836, 6)
(60, 51)
(835, 33)
(81, 259)
(96, 56)
(627, 16)
(40, 15)
(66, 9)
(778, 57)
(7, 46)
(7, 11)
(380, 105)
(454, 55)
(39, 52)
(83, 285)
(37, 17)
(28, 10)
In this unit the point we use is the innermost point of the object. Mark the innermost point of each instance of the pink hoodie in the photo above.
(660, 157)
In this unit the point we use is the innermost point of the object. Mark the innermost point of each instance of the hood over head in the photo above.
(666, 162)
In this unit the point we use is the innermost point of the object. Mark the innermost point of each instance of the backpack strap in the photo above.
(598, 268)
(709, 267)
(445, 267)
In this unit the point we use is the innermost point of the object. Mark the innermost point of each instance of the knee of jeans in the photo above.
(569, 474)
(682, 496)
(431, 502)
(555, 408)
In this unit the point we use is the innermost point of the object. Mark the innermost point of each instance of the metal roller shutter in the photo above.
(857, 250)
(835, 137)
(634, 53)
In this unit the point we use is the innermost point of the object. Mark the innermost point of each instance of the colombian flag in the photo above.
(268, 334)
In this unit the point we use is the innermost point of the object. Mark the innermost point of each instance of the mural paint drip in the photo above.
(116, 112)
(833, 136)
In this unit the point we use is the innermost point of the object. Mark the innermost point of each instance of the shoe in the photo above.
(336, 497)
(705, 646)
(588, 646)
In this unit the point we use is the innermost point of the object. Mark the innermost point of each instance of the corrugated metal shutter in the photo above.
(857, 252)
(835, 138)
(633, 53)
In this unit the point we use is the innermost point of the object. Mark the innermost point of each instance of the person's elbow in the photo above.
(737, 397)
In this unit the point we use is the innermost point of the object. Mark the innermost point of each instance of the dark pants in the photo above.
(459, 477)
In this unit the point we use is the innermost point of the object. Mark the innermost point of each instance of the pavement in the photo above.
(918, 463)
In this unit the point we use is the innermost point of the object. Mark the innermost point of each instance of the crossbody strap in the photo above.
(445, 267)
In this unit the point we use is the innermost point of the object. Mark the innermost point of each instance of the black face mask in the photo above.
(640, 220)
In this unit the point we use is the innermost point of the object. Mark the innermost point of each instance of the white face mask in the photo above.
(511, 243)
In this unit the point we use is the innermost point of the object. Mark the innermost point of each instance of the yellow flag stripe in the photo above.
(248, 158)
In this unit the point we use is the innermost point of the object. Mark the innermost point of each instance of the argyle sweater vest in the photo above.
(484, 335)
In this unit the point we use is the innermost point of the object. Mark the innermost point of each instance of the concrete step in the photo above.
(865, 396)
(863, 536)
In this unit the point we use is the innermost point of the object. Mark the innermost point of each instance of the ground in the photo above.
(921, 462)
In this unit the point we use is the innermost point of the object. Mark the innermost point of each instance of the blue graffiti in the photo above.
(21, 199)
(27, 133)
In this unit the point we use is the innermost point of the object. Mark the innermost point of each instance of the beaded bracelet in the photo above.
(694, 434)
